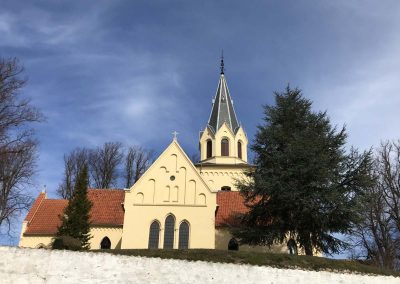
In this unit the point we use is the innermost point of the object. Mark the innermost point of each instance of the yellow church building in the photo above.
(175, 204)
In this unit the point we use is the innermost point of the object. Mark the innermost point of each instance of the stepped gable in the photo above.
(107, 210)
(230, 204)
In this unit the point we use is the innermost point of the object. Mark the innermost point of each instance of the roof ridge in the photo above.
(43, 195)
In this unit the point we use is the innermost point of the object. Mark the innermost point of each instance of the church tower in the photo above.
(223, 142)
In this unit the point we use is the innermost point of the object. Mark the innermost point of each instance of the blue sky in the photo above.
(134, 71)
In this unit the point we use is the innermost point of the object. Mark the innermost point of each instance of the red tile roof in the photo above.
(107, 210)
(35, 206)
(230, 204)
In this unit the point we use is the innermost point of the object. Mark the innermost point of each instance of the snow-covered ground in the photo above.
(44, 266)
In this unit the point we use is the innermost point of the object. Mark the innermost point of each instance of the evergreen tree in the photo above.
(75, 222)
(304, 186)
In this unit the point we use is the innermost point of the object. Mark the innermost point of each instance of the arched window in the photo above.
(105, 243)
(209, 149)
(226, 188)
(292, 246)
(169, 232)
(233, 244)
(239, 146)
(224, 147)
(184, 235)
(154, 235)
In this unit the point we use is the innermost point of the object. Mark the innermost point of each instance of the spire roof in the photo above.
(222, 108)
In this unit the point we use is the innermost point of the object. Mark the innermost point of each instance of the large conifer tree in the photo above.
(75, 222)
(305, 185)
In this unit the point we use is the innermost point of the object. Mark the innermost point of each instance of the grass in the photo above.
(262, 259)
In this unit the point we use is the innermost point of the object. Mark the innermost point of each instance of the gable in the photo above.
(171, 180)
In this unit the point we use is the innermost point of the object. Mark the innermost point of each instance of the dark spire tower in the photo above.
(222, 110)
(222, 62)
(223, 141)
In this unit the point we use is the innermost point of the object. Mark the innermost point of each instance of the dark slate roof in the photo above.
(222, 109)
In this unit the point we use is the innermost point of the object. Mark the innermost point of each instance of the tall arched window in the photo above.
(184, 235)
(169, 232)
(209, 149)
(239, 146)
(105, 243)
(224, 147)
(154, 235)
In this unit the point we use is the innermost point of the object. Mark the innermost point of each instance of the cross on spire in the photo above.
(175, 135)
(222, 62)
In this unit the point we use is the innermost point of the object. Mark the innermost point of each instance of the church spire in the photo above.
(222, 62)
(222, 109)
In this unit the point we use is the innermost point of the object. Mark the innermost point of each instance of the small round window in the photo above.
(172, 177)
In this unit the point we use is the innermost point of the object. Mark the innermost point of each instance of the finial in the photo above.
(175, 135)
(222, 62)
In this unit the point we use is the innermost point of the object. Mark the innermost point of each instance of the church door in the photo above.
(105, 243)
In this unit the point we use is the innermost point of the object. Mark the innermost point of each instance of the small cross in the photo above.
(175, 135)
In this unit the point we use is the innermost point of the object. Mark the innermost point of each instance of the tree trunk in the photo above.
(307, 244)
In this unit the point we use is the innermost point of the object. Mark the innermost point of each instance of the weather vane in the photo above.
(222, 62)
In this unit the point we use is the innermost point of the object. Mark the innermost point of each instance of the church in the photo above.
(175, 204)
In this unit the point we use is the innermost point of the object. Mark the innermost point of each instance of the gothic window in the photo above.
(154, 235)
(105, 243)
(224, 147)
(209, 149)
(233, 244)
(292, 246)
(184, 235)
(169, 232)
(226, 188)
(239, 146)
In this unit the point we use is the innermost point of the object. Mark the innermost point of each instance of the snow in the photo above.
(18, 265)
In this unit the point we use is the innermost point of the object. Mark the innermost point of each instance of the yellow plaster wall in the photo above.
(113, 233)
(98, 233)
(219, 176)
(222, 237)
(35, 241)
(156, 194)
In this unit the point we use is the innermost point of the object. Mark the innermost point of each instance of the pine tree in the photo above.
(305, 186)
(75, 222)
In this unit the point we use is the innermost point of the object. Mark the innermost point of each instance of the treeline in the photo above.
(109, 165)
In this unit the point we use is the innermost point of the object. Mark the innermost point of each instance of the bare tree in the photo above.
(377, 235)
(137, 161)
(74, 162)
(17, 143)
(103, 164)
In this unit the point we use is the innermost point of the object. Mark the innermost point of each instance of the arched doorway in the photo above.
(154, 235)
(105, 243)
(184, 235)
(233, 244)
(169, 232)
